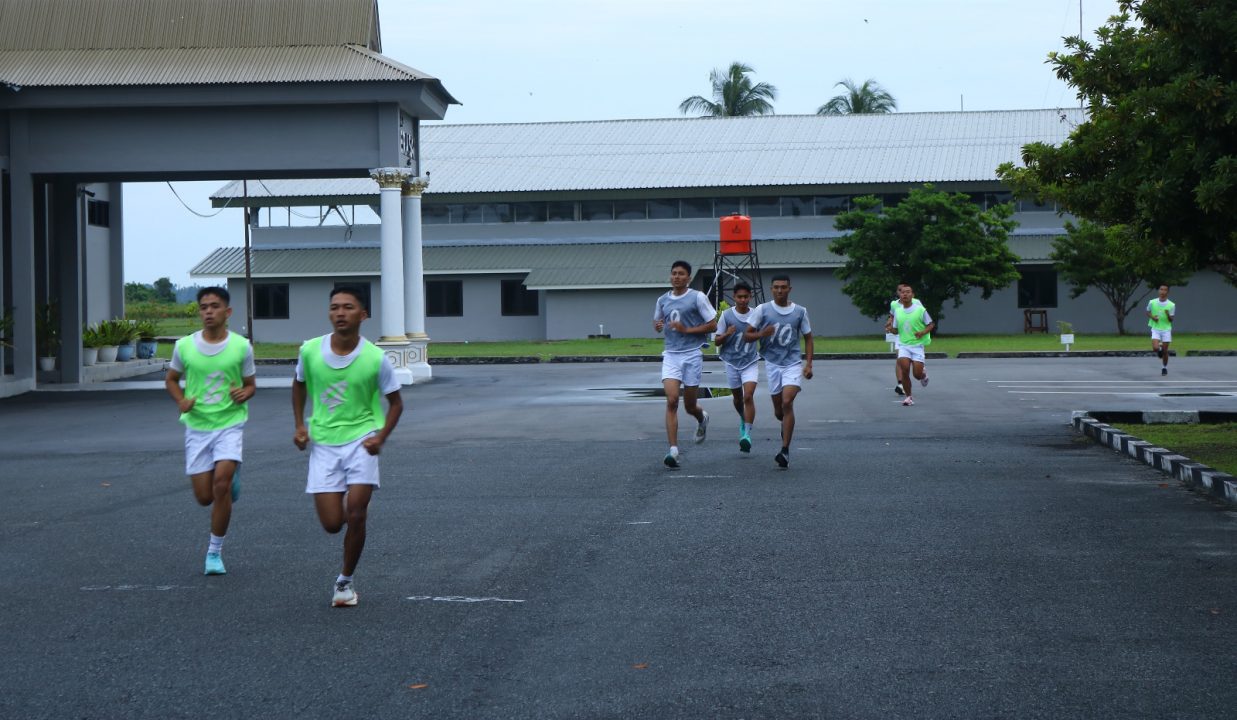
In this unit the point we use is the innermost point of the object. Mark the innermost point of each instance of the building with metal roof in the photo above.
(94, 93)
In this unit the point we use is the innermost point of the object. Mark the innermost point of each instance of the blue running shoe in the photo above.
(745, 444)
(236, 484)
(214, 564)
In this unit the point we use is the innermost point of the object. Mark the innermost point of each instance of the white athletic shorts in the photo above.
(332, 468)
(914, 352)
(686, 367)
(1162, 335)
(781, 376)
(204, 448)
(736, 378)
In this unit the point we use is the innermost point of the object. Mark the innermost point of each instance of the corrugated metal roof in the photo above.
(200, 66)
(672, 153)
(594, 265)
(130, 24)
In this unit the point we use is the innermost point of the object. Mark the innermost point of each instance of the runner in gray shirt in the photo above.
(778, 325)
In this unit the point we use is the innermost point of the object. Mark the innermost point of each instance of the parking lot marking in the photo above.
(459, 599)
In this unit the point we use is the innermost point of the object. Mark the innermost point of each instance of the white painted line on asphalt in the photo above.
(1115, 382)
(709, 477)
(1100, 392)
(459, 599)
(131, 588)
(640, 522)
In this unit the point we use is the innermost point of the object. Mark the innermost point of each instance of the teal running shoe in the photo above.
(214, 564)
(745, 444)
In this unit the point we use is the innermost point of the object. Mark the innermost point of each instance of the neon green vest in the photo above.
(209, 379)
(910, 321)
(347, 403)
(1163, 311)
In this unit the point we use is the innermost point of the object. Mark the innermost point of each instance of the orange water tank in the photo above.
(736, 235)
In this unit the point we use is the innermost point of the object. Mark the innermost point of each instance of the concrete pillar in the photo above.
(414, 280)
(66, 234)
(393, 340)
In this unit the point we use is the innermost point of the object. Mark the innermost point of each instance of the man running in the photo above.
(914, 326)
(1160, 314)
(220, 377)
(740, 360)
(345, 376)
(897, 375)
(779, 325)
(687, 318)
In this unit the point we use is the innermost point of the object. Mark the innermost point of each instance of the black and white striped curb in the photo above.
(1193, 475)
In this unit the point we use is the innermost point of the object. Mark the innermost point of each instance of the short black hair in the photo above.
(214, 290)
(683, 264)
(783, 277)
(352, 290)
(742, 286)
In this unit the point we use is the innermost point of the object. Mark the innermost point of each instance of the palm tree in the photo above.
(867, 98)
(733, 94)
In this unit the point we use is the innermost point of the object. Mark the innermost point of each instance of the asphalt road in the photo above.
(530, 557)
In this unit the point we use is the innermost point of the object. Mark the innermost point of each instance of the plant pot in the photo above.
(146, 349)
(90, 356)
(124, 352)
(107, 353)
(47, 364)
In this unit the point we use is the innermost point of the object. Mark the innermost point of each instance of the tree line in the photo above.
(735, 95)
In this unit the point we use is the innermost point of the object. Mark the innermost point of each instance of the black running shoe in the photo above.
(782, 461)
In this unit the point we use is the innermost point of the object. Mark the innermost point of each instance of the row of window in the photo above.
(675, 209)
(443, 298)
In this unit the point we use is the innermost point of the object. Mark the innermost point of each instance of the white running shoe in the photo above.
(672, 459)
(702, 428)
(345, 595)
(908, 401)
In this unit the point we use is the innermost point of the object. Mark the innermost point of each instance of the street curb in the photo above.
(1060, 354)
(1194, 476)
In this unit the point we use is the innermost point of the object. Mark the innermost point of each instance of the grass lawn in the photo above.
(951, 344)
(1213, 444)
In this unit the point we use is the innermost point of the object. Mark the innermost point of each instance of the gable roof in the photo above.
(775, 151)
(83, 43)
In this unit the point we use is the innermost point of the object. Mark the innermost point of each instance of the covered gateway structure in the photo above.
(94, 93)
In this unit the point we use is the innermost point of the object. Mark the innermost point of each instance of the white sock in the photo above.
(216, 544)
(674, 449)
(343, 578)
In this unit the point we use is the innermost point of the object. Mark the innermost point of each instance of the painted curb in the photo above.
(1195, 476)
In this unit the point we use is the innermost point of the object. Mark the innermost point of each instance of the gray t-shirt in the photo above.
(791, 323)
(736, 351)
(692, 308)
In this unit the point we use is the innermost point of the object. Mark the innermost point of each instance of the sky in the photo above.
(561, 60)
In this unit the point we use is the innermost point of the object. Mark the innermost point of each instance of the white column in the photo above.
(391, 266)
(414, 262)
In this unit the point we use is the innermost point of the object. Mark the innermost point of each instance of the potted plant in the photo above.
(1066, 330)
(147, 345)
(110, 337)
(47, 334)
(91, 341)
(127, 333)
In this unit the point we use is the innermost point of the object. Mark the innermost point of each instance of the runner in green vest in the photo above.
(345, 377)
(218, 369)
(897, 373)
(1160, 314)
(914, 326)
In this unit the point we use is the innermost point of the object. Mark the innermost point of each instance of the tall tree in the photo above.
(867, 98)
(940, 243)
(1158, 150)
(165, 291)
(733, 94)
(1094, 256)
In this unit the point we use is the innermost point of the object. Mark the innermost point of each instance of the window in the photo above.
(517, 299)
(991, 200)
(764, 207)
(468, 213)
(796, 207)
(98, 213)
(363, 289)
(529, 212)
(270, 301)
(629, 210)
(696, 207)
(1030, 205)
(596, 210)
(435, 214)
(444, 298)
(559, 211)
(891, 200)
(663, 209)
(1037, 287)
(498, 213)
(725, 206)
(832, 204)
